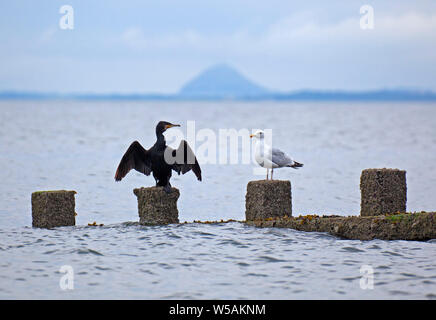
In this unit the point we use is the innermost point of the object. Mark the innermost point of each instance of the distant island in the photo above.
(222, 82)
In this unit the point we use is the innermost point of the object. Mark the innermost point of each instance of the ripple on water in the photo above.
(102, 268)
(391, 253)
(88, 251)
(256, 275)
(270, 259)
(232, 242)
(243, 264)
(383, 267)
(256, 262)
(204, 235)
(352, 249)
(50, 251)
(374, 246)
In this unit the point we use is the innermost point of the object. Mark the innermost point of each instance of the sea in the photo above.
(77, 145)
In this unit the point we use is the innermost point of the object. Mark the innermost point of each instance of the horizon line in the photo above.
(303, 94)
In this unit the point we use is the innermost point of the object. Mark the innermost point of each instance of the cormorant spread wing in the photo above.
(184, 160)
(136, 157)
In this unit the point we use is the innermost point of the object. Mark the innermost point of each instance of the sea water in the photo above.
(77, 145)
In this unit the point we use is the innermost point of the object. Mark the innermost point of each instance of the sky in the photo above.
(134, 46)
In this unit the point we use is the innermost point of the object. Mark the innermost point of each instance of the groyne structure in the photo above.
(268, 203)
(382, 213)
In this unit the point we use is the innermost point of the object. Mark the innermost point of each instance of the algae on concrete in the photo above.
(407, 226)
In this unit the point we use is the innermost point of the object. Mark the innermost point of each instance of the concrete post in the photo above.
(382, 191)
(53, 209)
(268, 199)
(156, 207)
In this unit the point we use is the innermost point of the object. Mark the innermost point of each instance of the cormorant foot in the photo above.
(167, 188)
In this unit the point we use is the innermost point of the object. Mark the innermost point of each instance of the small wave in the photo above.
(102, 268)
(232, 242)
(162, 244)
(352, 249)
(392, 253)
(270, 259)
(174, 236)
(146, 271)
(89, 251)
(256, 275)
(165, 266)
(206, 235)
(398, 293)
(374, 246)
(383, 267)
(50, 251)
(409, 275)
(351, 279)
(243, 264)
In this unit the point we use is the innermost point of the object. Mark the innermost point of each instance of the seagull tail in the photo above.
(295, 165)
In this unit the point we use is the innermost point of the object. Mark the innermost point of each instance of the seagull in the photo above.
(271, 158)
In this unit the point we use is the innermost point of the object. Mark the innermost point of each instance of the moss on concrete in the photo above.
(404, 226)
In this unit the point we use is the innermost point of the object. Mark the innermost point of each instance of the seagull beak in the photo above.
(251, 135)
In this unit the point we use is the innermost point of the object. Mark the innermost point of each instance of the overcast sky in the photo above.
(156, 46)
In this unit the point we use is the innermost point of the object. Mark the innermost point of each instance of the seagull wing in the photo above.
(185, 160)
(136, 157)
(280, 158)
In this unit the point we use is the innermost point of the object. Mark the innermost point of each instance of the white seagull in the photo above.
(271, 158)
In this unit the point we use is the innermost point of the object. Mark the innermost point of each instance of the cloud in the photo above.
(287, 34)
(135, 38)
(47, 35)
(316, 46)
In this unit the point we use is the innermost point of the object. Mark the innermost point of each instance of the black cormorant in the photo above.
(159, 159)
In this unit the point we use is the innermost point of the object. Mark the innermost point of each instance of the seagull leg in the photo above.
(272, 171)
(267, 171)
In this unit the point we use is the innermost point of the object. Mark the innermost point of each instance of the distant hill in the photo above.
(221, 81)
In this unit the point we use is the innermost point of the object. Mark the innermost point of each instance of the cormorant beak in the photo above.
(251, 135)
(171, 125)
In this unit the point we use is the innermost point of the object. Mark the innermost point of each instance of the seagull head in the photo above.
(259, 134)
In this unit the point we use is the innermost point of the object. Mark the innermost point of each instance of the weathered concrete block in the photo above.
(53, 209)
(404, 226)
(156, 207)
(383, 191)
(268, 199)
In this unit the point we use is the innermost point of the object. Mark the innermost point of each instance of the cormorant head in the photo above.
(258, 135)
(162, 126)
